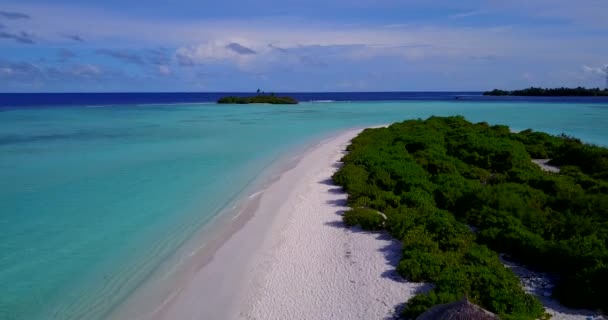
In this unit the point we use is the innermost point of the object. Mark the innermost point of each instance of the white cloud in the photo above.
(216, 51)
(468, 14)
(432, 45)
(85, 70)
(205, 41)
(596, 70)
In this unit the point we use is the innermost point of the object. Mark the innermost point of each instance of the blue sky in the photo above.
(315, 45)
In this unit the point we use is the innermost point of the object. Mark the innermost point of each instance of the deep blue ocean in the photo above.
(76, 99)
(97, 190)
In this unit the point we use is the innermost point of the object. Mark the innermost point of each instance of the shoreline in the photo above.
(313, 266)
(220, 270)
(170, 277)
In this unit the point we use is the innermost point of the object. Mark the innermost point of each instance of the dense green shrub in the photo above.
(434, 178)
(368, 219)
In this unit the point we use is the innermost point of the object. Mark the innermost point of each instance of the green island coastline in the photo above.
(457, 194)
(269, 99)
(556, 92)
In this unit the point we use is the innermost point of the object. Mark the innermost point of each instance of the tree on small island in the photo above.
(556, 92)
(259, 98)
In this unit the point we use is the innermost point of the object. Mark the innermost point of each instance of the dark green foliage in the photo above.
(497, 92)
(366, 218)
(557, 92)
(271, 99)
(538, 144)
(591, 160)
(432, 178)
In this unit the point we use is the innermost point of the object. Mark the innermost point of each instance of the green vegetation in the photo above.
(437, 180)
(557, 92)
(368, 219)
(272, 99)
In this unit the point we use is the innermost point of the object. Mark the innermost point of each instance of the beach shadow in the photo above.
(336, 224)
(396, 312)
(391, 251)
(392, 255)
(337, 202)
(328, 182)
(336, 191)
(342, 202)
(425, 288)
(340, 213)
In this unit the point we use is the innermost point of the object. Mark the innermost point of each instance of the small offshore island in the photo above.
(270, 99)
(556, 92)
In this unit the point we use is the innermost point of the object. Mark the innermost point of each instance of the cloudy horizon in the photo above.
(335, 45)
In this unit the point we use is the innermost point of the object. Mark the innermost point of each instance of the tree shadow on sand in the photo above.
(337, 190)
(338, 203)
(391, 251)
(328, 182)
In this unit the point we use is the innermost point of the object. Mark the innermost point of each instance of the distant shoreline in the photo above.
(555, 92)
(51, 100)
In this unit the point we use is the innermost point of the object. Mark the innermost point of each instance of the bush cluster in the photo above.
(435, 180)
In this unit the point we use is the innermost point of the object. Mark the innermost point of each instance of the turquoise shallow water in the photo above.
(92, 199)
